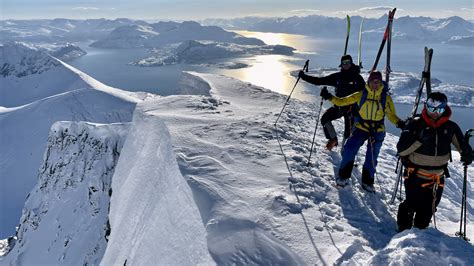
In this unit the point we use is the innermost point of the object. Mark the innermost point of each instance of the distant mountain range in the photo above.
(141, 33)
(162, 33)
(407, 28)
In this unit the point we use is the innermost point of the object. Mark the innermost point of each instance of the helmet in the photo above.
(436, 104)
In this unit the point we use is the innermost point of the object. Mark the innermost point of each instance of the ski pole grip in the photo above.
(306, 66)
(426, 75)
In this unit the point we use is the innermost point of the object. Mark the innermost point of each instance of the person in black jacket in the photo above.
(346, 82)
(425, 148)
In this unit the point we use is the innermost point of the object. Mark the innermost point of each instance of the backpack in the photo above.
(383, 101)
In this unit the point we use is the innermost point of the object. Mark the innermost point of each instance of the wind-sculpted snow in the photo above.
(65, 219)
(201, 52)
(154, 219)
(229, 154)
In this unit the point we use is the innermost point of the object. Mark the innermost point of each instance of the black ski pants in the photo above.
(334, 113)
(417, 208)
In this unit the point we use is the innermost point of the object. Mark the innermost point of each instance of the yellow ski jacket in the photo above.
(371, 112)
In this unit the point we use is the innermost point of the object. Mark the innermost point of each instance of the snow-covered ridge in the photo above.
(18, 59)
(65, 219)
(35, 102)
(157, 35)
(153, 214)
(201, 52)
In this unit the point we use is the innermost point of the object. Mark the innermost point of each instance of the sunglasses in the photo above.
(346, 62)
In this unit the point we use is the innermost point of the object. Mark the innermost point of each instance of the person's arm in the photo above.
(348, 100)
(328, 80)
(390, 111)
(408, 142)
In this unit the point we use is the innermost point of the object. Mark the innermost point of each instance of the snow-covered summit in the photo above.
(222, 141)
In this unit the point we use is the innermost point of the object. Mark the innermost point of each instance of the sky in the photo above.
(201, 9)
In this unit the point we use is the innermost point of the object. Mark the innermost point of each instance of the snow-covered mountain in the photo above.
(222, 141)
(28, 74)
(407, 28)
(65, 218)
(201, 52)
(30, 104)
(67, 52)
(60, 29)
(156, 35)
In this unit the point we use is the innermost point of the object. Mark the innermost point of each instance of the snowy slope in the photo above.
(24, 128)
(153, 216)
(227, 150)
(222, 141)
(65, 219)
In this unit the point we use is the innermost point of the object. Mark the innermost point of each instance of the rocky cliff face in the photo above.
(65, 219)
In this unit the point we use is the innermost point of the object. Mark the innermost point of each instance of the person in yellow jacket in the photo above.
(374, 103)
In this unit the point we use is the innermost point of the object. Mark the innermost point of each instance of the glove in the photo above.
(301, 74)
(325, 94)
(401, 124)
(466, 158)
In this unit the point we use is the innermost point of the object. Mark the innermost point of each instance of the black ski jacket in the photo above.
(426, 144)
(346, 82)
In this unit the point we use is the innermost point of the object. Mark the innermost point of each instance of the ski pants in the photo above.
(351, 148)
(417, 208)
(334, 113)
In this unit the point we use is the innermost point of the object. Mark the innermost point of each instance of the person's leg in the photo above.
(329, 115)
(351, 148)
(348, 120)
(406, 209)
(374, 144)
(426, 211)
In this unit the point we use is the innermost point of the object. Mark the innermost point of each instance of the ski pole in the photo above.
(305, 68)
(315, 129)
(462, 234)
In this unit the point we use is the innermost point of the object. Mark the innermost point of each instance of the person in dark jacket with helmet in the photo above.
(425, 149)
(346, 82)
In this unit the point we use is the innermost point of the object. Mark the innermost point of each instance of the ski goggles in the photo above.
(346, 62)
(435, 106)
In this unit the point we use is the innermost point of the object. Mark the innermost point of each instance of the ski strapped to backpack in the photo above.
(424, 82)
(348, 33)
(359, 56)
(386, 35)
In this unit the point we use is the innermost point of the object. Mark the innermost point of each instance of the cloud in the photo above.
(304, 11)
(469, 9)
(375, 8)
(85, 8)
